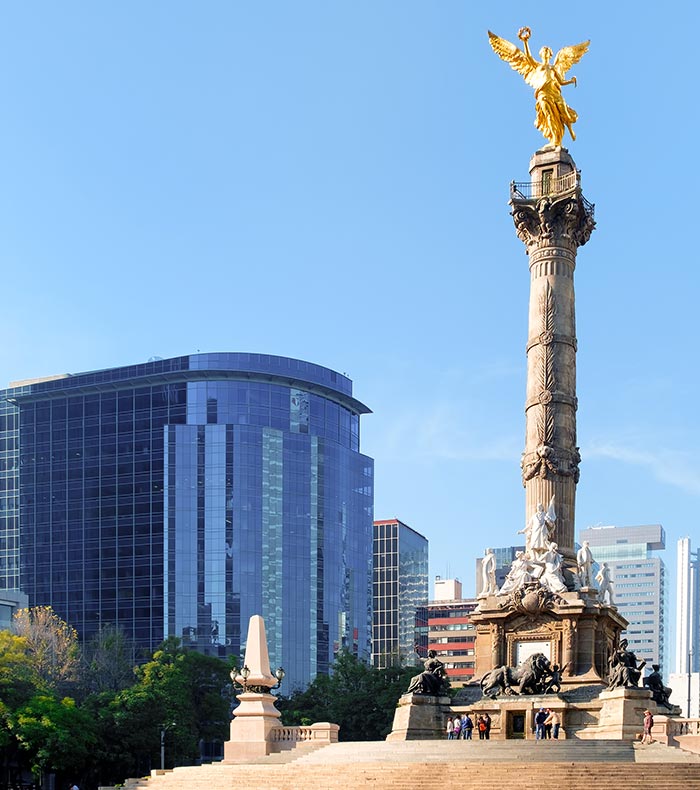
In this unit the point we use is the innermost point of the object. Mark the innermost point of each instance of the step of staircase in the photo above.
(441, 765)
(429, 776)
(480, 751)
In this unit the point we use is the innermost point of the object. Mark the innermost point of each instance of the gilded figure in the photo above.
(553, 114)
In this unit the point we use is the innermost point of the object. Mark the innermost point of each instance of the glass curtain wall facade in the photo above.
(400, 594)
(181, 496)
(640, 584)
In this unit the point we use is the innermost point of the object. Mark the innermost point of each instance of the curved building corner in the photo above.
(181, 496)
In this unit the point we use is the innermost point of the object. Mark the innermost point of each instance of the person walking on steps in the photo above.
(487, 722)
(457, 727)
(648, 724)
(553, 721)
(467, 727)
(481, 726)
(450, 729)
(539, 724)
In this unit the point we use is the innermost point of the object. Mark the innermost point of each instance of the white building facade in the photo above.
(640, 585)
(685, 678)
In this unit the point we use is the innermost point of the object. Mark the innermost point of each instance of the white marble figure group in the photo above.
(545, 568)
(542, 562)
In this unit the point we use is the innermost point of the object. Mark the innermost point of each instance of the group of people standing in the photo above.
(547, 724)
(462, 727)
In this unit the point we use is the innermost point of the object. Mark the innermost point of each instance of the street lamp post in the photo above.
(163, 728)
(690, 670)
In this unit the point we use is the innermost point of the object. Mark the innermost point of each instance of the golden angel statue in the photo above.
(554, 115)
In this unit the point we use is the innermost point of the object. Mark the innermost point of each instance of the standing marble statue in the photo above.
(552, 577)
(488, 575)
(538, 530)
(584, 562)
(604, 584)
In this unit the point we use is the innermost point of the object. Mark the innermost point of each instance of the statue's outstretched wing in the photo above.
(512, 55)
(567, 56)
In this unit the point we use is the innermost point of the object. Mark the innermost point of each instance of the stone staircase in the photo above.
(441, 765)
(444, 751)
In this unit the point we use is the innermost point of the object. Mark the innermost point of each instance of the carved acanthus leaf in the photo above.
(568, 219)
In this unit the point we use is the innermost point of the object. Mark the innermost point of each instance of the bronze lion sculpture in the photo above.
(527, 677)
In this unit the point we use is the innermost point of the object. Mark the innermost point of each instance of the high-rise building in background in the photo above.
(687, 658)
(685, 678)
(640, 586)
(10, 602)
(450, 630)
(181, 496)
(400, 594)
(504, 558)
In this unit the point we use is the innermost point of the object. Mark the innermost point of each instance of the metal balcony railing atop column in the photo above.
(527, 190)
(549, 187)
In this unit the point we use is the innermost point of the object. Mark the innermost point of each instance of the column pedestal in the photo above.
(253, 721)
(420, 717)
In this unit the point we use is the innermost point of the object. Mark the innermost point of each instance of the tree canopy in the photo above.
(359, 698)
(52, 645)
(109, 727)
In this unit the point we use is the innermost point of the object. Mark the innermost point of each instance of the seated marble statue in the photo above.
(519, 574)
(623, 670)
(432, 679)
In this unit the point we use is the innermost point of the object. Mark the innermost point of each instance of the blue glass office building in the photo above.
(400, 589)
(181, 496)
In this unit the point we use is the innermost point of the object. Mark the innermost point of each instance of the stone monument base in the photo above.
(251, 729)
(586, 713)
(572, 629)
(420, 717)
(513, 715)
(620, 714)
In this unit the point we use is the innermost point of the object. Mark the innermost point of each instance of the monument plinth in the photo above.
(256, 730)
(256, 716)
(419, 717)
(574, 630)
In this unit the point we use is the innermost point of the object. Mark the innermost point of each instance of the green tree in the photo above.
(360, 698)
(18, 677)
(181, 691)
(108, 660)
(52, 645)
(19, 682)
(55, 734)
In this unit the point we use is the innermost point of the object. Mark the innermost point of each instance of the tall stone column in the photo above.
(552, 219)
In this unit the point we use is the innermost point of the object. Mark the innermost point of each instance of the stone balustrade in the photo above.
(682, 727)
(319, 733)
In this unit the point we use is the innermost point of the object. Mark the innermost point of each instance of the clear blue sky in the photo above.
(329, 181)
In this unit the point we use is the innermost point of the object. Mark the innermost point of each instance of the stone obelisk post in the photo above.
(256, 716)
(552, 219)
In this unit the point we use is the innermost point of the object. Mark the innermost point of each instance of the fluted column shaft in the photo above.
(552, 219)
